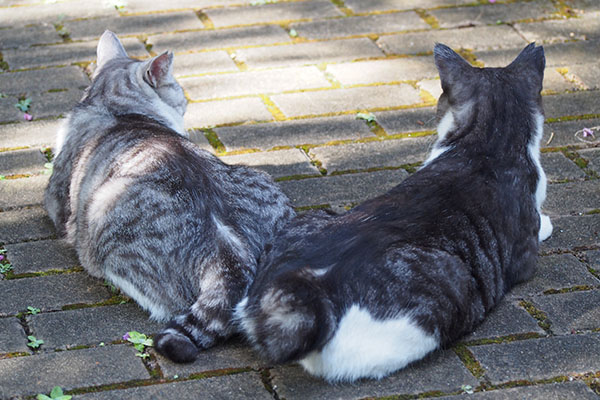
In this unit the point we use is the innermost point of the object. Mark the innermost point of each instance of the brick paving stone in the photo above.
(137, 6)
(67, 329)
(387, 153)
(570, 104)
(229, 16)
(401, 69)
(340, 100)
(38, 81)
(293, 133)
(537, 359)
(571, 311)
(507, 319)
(26, 36)
(211, 113)
(442, 371)
(133, 25)
(25, 257)
(12, 337)
(558, 167)
(477, 38)
(411, 120)
(239, 386)
(564, 132)
(35, 133)
(586, 28)
(491, 13)
(254, 82)
(203, 63)
(571, 232)
(589, 74)
(556, 82)
(371, 24)
(593, 158)
(432, 86)
(341, 189)
(198, 138)
(555, 272)
(222, 38)
(587, 5)
(25, 224)
(51, 12)
(230, 355)
(67, 53)
(43, 105)
(50, 292)
(70, 369)
(309, 53)
(551, 391)
(361, 6)
(276, 163)
(22, 192)
(21, 162)
(572, 198)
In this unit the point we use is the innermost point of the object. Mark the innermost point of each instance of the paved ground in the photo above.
(278, 86)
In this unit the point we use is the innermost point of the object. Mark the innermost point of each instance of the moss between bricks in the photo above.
(469, 360)
(540, 316)
(505, 339)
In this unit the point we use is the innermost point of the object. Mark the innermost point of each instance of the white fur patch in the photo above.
(363, 347)
(227, 233)
(104, 198)
(245, 323)
(157, 312)
(540, 193)
(61, 135)
(445, 126)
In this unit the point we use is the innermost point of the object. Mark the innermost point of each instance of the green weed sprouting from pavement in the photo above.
(23, 104)
(369, 117)
(4, 268)
(34, 343)
(48, 168)
(140, 342)
(32, 310)
(55, 394)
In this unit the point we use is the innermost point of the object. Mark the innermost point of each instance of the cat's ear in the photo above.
(159, 69)
(532, 62)
(109, 48)
(451, 66)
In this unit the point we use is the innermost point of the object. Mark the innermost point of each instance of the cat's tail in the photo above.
(287, 318)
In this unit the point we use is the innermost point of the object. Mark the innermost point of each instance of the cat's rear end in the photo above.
(367, 292)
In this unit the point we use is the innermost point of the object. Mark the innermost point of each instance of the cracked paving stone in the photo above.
(577, 311)
(25, 257)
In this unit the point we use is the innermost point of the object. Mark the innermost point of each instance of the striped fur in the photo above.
(168, 223)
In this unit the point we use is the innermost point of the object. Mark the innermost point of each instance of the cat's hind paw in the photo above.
(545, 228)
(175, 346)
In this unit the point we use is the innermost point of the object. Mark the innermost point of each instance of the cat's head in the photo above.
(125, 85)
(489, 96)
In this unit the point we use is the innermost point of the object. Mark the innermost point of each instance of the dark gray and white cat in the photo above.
(168, 223)
(365, 293)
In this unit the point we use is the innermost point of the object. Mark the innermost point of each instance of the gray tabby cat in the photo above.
(168, 223)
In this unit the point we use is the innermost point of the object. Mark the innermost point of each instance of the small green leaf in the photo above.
(4, 268)
(34, 343)
(369, 117)
(3, 96)
(48, 168)
(43, 397)
(293, 33)
(56, 391)
(32, 310)
(2, 177)
(24, 104)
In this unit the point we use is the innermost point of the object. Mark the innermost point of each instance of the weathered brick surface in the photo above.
(401, 69)
(387, 153)
(55, 12)
(309, 53)
(293, 133)
(70, 369)
(558, 167)
(536, 359)
(572, 199)
(342, 189)
(491, 14)
(551, 391)
(413, 120)
(12, 337)
(272, 12)
(203, 63)
(556, 82)
(50, 292)
(442, 371)
(25, 257)
(556, 272)
(586, 28)
(236, 387)
(372, 24)
(361, 6)
(231, 355)
(135, 6)
(21, 162)
(42, 80)
(26, 36)
(254, 82)
(278, 163)
(569, 312)
(133, 25)
(570, 232)
(212, 39)
(593, 158)
(201, 115)
(35, 133)
(564, 133)
(353, 99)
(588, 74)
(472, 38)
(25, 224)
(65, 329)
(582, 103)
(65, 54)
(22, 192)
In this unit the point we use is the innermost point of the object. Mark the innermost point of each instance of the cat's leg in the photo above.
(545, 227)
(209, 319)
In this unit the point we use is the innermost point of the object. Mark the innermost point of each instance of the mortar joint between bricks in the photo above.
(267, 381)
(538, 315)
(206, 21)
